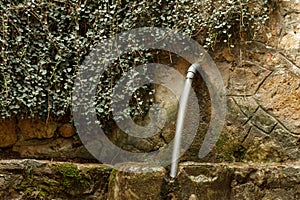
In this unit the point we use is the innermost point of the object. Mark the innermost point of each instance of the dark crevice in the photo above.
(282, 55)
(245, 137)
(273, 128)
(262, 130)
(262, 82)
(239, 153)
(246, 122)
(270, 114)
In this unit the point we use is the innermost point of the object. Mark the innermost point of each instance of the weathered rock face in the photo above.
(280, 95)
(263, 116)
(8, 135)
(263, 91)
(289, 36)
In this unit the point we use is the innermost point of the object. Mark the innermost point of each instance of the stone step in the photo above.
(37, 179)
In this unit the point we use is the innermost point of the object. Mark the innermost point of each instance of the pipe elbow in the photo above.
(192, 70)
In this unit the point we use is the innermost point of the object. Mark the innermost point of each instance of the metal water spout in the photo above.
(180, 117)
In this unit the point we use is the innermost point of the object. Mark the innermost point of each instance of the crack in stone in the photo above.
(240, 107)
(255, 64)
(275, 118)
(290, 12)
(262, 82)
(293, 66)
(259, 128)
(251, 116)
(239, 95)
(256, 74)
(259, 47)
(272, 129)
(267, 113)
(247, 134)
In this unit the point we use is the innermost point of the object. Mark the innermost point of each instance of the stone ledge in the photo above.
(40, 179)
(237, 181)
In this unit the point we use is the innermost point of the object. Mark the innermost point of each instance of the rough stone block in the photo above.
(136, 181)
(8, 134)
(36, 128)
(66, 130)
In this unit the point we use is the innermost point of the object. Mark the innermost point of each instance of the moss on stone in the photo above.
(229, 150)
(72, 178)
(69, 170)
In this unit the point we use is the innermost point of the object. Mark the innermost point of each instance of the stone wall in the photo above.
(37, 138)
(263, 117)
(262, 79)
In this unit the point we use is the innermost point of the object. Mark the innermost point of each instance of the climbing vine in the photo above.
(43, 43)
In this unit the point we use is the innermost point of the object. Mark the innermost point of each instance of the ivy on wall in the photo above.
(43, 42)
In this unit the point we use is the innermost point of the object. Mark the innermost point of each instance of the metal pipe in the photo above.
(192, 70)
(180, 118)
